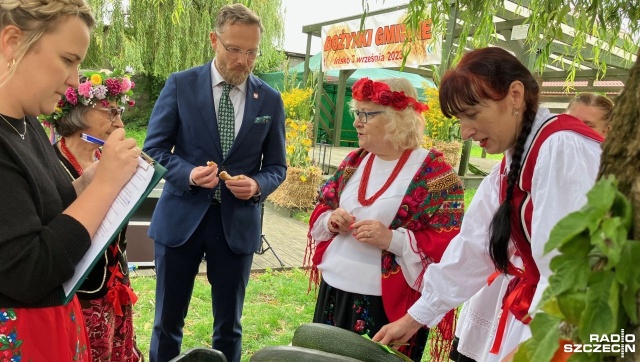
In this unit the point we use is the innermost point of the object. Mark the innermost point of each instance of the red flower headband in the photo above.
(377, 92)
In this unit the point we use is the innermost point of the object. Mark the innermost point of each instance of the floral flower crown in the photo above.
(95, 88)
(377, 92)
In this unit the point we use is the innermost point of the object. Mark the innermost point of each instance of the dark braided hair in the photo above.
(488, 74)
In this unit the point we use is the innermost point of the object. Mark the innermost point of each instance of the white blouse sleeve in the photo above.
(404, 246)
(320, 230)
(566, 169)
(466, 264)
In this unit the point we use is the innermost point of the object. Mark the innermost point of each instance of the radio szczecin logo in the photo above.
(605, 343)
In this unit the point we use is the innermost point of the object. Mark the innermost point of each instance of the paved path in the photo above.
(287, 236)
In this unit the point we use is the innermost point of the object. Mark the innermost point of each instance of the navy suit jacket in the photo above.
(183, 134)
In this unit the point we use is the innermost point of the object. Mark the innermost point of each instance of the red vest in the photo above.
(522, 287)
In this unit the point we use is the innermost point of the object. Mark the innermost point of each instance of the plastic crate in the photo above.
(200, 355)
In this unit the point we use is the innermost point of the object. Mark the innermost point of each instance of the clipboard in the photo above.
(129, 199)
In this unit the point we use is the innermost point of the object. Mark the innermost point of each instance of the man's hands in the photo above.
(243, 189)
(205, 176)
(241, 186)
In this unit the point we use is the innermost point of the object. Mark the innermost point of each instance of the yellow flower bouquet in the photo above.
(441, 133)
(299, 190)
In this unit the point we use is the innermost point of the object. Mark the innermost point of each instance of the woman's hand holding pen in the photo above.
(119, 160)
(340, 221)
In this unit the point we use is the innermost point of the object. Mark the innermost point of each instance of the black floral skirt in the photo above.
(362, 314)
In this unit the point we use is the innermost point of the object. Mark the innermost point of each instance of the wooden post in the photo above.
(306, 60)
(340, 102)
(316, 115)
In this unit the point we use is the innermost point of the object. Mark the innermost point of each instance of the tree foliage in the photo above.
(594, 288)
(606, 26)
(158, 37)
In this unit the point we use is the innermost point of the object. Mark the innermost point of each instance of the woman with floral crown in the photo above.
(387, 213)
(95, 108)
(47, 221)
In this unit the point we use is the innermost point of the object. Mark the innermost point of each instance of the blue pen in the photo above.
(100, 142)
(92, 139)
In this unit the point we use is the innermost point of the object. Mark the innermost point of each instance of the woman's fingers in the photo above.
(340, 220)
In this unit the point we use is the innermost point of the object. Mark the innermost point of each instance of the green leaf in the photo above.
(585, 357)
(551, 307)
(525, 349)
(569, 273)
(571, 305)
(601, 313)
(610, 239)
(567, 228)
(545, 335)
(579, 246)
(623, 209)
(603, 193)
(628, 275)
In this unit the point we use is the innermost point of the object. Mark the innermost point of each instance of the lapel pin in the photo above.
(255, 95)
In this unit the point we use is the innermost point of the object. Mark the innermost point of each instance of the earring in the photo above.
(515, 113)
(11, 64)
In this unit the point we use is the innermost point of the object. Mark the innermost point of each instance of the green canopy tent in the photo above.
(348, 135)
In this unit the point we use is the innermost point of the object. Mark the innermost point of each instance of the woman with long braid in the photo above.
(550, 163)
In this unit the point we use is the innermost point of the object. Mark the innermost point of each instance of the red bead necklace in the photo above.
(72, 159)
(362, 189)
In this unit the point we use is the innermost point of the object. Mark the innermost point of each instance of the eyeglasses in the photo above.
(236, 52)
(114, 112)
(363, 117)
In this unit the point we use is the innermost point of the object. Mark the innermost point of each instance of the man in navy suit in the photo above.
(198, 214)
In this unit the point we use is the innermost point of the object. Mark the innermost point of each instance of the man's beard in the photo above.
(234, 76)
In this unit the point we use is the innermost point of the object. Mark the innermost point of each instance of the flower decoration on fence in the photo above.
(96, 88)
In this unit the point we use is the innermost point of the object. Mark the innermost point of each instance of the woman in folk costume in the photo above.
(46, 220)
(95, 108)
(389, 212)
(550, 163)
(593, 109)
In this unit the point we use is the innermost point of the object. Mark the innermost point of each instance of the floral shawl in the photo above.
(432, 209)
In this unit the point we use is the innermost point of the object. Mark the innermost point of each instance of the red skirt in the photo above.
(111, 335)
(44, 334)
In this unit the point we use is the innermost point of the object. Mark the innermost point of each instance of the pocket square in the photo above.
(263, 119)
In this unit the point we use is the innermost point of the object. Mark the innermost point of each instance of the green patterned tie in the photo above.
(226, 119)
(226, 125)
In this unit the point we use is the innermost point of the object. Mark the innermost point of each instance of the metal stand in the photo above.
(262, 249)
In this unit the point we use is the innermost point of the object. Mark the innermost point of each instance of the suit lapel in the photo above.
(203, 93)
(253, 102)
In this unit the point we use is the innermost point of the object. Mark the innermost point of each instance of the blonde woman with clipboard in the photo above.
(46, 221)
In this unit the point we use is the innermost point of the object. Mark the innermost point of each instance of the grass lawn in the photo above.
(138, 133)
(476, 151)
(276, 304)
